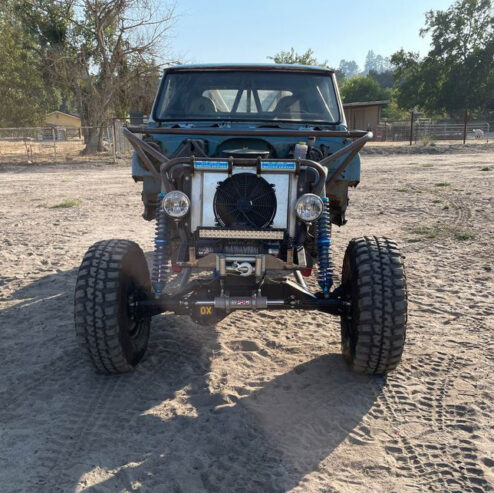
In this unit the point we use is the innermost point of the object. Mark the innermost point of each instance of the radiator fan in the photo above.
(245, 201)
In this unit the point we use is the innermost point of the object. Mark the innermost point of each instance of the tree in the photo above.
(349, 68)
(384, 79)
(376, 63)
(362, 88)
(92, 47)
(370, 60)
(24, 95)
(292, 57)
(409, 81)
(457, 75)
(138, 93)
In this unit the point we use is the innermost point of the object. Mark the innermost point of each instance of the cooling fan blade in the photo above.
(245, 200)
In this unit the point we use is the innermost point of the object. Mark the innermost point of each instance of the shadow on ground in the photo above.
(161, 428)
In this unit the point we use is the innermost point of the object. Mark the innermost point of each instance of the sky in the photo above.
(246, 31)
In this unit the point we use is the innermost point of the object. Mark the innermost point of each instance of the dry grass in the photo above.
(65, 204)
(464, 235)
(442, 231)
(426, 231)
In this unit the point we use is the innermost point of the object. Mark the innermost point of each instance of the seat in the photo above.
(202, 105)
(287, 104)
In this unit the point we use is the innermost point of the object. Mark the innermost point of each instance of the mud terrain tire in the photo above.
(112, 275)
(373, 281)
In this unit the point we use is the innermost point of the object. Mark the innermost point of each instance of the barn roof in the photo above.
(62, 113)
(366, 103)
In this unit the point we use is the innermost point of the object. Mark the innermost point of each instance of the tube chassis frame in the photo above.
(270, 295)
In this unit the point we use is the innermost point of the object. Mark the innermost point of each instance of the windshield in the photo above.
(261, 95)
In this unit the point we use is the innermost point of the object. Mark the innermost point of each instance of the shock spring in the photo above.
(160, 264)
(325, 275)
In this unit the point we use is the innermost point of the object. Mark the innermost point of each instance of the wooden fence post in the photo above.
(114, 141)
(54, 137)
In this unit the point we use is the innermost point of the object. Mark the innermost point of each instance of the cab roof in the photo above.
(269, 67)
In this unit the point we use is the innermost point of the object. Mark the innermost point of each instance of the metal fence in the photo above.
(425, 129)
(61, 144)
(66, 144)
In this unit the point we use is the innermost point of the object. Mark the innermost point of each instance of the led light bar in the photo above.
(242, 234)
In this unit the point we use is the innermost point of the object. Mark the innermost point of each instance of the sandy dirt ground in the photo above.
(262, 402)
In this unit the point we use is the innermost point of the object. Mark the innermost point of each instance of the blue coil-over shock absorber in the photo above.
(160, 266)
(325, 277)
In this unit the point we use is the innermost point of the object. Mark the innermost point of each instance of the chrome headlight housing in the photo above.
(176, 204)
(309, 207)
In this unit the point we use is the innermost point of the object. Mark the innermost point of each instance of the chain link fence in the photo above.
(61, 144)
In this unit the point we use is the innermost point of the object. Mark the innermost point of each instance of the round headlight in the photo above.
(176, 204)
(309, 207)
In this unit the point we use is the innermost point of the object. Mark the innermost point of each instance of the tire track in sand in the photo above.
(428, 460)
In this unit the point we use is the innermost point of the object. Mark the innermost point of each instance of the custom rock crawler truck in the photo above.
(244, 169)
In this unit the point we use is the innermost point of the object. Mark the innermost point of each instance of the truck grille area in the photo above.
(244, 200)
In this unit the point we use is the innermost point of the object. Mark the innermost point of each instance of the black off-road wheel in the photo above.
(112, 277)
(373, 330)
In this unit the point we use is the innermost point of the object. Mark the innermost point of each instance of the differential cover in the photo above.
(244, 200)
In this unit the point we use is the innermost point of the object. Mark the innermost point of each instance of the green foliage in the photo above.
(349, 68)
(408, 79)
(376, 63)
(458, 72)
(24, 95)
(442, 230)
(97, 56)
(292, 57)
(384, 79)
(464, 235)
(430, 232)
(428, 140)
(376, 66)
(392, 111)
(138, 93)
(362, 88)
(307, 58)
(66, 204)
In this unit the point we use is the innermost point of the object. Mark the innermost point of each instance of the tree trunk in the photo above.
(101, 147)
(94, 140)
(91, 140)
